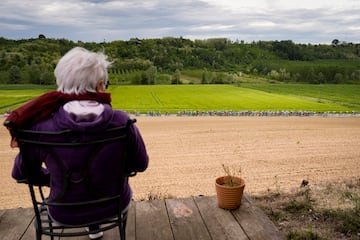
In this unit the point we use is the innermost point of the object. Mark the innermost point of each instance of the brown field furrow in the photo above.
(186, 154)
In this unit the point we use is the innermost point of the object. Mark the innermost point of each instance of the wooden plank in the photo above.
(185, 219)
(255, 223)
(110, 234)
(85, 237)
(179, 219)
(2, 211)
(130, 225)
(221, 223)
(15, 222)
(114, 233)
(30, 232)
(152, 221)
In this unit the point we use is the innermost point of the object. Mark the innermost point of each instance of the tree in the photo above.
(355, 76)
(151, 75)
(321, 78)
(283, 74)
(311, 75)
(14, 75)
(47, 78)
(204, 77)
(34, 73)
(287, 50)
(338, 78)
(176, 77)
(335, 42)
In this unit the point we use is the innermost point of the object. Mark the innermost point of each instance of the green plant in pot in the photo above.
(230, 188)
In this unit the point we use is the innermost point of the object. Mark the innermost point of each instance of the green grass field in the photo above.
(343, 94)
(175, 98)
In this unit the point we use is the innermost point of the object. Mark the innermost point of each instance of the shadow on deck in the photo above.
(179, 219)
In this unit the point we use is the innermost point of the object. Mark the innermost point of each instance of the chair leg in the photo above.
(122, 226)
(50, 226)
(37, 231)
(122, 233)
(38, 235)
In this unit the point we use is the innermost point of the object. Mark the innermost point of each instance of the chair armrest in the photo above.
(8, 124)
(132, 174)
(22, 181)
(25, 181)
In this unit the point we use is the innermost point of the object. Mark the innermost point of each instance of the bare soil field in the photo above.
(187, 153)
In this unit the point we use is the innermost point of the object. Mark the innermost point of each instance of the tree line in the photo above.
(218, 60)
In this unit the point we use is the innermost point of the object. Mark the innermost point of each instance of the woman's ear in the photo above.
(100, 86)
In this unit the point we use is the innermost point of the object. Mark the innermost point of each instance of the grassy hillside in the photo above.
(13, 96)
(345, 95)
(175, 98)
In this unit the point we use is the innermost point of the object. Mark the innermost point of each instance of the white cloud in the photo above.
(213, 27)
(312, 21)
(255, 5)
(16, 27)
(263, 24)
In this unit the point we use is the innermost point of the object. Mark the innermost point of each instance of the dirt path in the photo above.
(186, 154)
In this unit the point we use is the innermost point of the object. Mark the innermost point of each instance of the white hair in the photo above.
(80, 70)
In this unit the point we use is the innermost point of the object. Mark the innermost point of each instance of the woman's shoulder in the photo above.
(120, 116)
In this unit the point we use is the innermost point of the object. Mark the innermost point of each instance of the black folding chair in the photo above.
(53, 144)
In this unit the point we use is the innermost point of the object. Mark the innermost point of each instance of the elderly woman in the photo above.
(80, 103)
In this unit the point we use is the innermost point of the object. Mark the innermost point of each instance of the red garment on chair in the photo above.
(43, 106)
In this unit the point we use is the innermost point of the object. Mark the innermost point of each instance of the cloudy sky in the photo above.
(302, 21)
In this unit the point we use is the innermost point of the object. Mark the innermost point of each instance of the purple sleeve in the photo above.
(40, 175)
(137, 155)
(17, 172)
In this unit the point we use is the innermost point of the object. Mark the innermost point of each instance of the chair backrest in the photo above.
(61, 151)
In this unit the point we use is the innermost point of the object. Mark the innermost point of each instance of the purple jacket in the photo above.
(103, 171)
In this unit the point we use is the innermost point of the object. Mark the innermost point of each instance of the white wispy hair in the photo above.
(79, 71)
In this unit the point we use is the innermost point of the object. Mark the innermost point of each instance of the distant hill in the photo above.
(33, 60)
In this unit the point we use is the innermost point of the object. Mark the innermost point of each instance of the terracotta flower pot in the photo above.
(229, 197)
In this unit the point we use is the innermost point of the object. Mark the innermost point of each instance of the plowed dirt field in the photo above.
(186, 155)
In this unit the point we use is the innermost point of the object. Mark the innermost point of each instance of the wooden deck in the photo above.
(196, 218)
